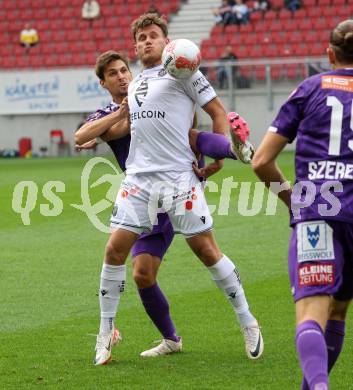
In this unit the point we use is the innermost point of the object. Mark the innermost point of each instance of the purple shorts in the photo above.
(157, 242)
(320, 259)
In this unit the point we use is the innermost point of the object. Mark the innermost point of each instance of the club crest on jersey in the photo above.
(314, 241)
(162, 73)
(141, 92)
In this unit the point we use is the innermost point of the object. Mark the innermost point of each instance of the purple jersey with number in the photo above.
(120, 146)
(319, 114)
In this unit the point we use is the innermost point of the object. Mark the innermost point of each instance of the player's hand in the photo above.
(86, 146)
(209, 169)
(124, 109)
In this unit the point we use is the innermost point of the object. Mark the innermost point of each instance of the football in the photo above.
(181, 58)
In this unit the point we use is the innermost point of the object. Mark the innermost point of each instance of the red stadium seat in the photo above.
(256, 51)
(284, 14)
(317, 49)
(69, 24)
(309, 3)
(271, 51)
(250, 39)
(276, 71)
(277, 3)
(270, 15)
(291, 71)
(256, 16)
(290, 25)
(73, 35)
(296, 37)
(306, 24)
(276, 25)
(315, 12)
(312, 36)
(260, 73)
(300, 14)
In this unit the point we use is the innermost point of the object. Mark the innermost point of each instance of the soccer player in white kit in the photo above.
(160, 178)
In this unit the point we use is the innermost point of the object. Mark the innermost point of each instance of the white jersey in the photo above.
(162, 110)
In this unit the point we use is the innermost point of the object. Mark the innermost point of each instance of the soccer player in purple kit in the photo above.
(319, 114)
(110, 124)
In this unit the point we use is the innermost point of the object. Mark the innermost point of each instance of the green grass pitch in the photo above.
(49, 276)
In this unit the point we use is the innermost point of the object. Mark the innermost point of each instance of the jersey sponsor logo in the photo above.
(203, 89)
(316, 274)
(342, 83)
(314, 241)
(330, 170)
(201, 80)
(313, 236)
(162, 73)
(149, 114)
(141, 92)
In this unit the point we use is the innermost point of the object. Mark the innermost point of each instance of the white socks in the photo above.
(227, 278)
(112, 284)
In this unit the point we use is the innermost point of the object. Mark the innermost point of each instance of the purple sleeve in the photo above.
(290, 114)
(94, 116)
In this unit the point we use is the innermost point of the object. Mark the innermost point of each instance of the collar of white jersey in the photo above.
(149, 71)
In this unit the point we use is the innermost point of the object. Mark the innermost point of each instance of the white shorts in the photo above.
(179, 194)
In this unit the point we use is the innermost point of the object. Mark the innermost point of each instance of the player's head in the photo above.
(151, 36)
(112, 69)
(340, 51)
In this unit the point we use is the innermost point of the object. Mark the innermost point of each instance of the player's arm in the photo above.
(217, 113)
(118, 130)
(265, 167)
(115, 124)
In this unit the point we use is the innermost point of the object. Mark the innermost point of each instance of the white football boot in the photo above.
(166, 347)
(104, 346)
(254, 343)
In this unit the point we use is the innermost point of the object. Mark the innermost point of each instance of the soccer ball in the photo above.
(181, 58)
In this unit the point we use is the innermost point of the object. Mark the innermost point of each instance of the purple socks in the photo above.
(312, 353)
(334, 336)
(213, 145)
(157, 308)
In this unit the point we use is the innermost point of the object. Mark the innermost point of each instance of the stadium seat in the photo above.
(305, 24)
(270, 15)
(260, 73)
(314, 12)
(309, 3)
(271, 51)
(58, 144)
(284, 14)
(276, 71)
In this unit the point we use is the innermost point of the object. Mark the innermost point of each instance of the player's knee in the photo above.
(208, 254)
(114, 254)
(143, 279)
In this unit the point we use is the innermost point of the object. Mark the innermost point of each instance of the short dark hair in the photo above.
(106, 58)
(341, 42)
(148, 19)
